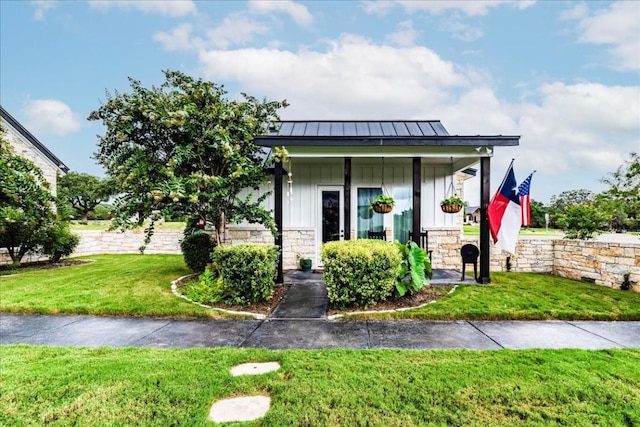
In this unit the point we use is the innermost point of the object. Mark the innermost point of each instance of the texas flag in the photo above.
(505, 214)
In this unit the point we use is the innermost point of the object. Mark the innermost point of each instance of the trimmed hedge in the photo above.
(196, 250)
(246, 273)
(360, 272)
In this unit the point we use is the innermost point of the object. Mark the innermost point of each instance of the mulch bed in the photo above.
(426, 294)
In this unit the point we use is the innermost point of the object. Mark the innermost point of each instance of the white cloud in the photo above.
(617, 27)
(236, 28)
(299, 13)
(352, 79)
(377, 7)
(41, 7)
(50, 117)
(177, 39)
(162, 7)
(470, 8)
(405, 35)
(460, 30)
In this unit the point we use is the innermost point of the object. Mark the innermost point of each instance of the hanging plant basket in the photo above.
(452, 205)
(451, 208)
(383, 204)
(381, 208)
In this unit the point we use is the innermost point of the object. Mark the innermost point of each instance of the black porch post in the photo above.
(417, 184)
(485, 248)
(277, 172)
(347, 198)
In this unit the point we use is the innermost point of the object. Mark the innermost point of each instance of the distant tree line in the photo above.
(583, 213)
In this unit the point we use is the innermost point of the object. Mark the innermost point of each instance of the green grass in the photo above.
(132, 285)
(527, 296)
(99, 225)
(152, 387)
(474, 230)
(139, 285)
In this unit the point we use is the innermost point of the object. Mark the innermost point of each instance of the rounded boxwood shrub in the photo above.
(196, 250)
(59, 241)
(246, 273)
(360, 272)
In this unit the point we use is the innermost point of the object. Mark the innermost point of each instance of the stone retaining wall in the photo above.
(128, 242)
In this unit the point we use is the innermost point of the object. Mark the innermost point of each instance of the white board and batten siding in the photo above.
(300, 199)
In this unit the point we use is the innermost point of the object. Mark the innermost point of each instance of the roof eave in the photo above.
(33, 140)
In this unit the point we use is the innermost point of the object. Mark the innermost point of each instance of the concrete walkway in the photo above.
(96, 331)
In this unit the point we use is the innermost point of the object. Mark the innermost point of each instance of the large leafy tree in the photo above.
(25, 204)
(184, 144)
(84, 192)
(622, 198)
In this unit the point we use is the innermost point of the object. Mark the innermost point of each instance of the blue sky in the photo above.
(564, 75)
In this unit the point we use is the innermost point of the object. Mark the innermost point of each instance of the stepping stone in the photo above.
(254, 368)
(246, 408)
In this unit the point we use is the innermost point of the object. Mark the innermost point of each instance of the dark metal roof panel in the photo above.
(367, 133)
(32, 139)
(427, 129)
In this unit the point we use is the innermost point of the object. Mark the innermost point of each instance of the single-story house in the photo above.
(472, 214)
(335, 168)
(28, 146)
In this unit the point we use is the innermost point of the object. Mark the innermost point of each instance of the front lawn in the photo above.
(527, 296)
(131, 285)
(139, 285)
(152, 387)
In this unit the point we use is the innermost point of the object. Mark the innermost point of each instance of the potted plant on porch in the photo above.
(305, 263)
(383, 204)
(452, 204)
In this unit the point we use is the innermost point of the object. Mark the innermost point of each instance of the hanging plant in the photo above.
(383, 204)
(453, 204)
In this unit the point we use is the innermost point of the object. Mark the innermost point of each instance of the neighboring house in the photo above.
(28, 146)
(472, 214)
(336, 168)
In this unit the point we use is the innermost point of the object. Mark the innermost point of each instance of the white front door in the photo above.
(330, 225)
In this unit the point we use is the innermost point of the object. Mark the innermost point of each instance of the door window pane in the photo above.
(330, 216)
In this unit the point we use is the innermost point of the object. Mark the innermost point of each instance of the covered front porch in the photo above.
(319, 190)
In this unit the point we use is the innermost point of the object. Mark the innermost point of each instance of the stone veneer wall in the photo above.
(605, 263)
(298, 242)
(116, 242)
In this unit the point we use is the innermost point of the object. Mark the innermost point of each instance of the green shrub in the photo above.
(196, 250)
(246, 272)
(59, 241)
(206, 290)
(360, 272)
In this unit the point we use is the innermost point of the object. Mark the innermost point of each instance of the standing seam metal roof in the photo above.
(374, 129)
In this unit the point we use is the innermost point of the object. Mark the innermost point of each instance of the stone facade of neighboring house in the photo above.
(26, 145)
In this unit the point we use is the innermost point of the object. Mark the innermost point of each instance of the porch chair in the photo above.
(379, 235)
(469, 255)
(424, 242)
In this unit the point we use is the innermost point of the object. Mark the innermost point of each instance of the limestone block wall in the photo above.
(298, 242)
(532, 255)
(603, 262)
(25, 149)
(128, 242)
(445, 244)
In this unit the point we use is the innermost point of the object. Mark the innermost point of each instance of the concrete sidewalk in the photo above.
(96, 331)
